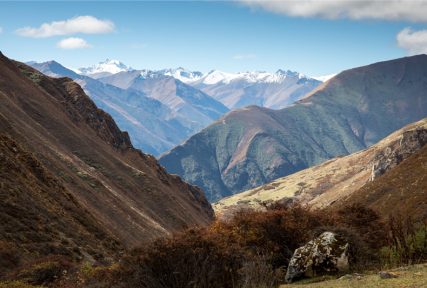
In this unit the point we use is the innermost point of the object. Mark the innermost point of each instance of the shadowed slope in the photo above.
(126, 191)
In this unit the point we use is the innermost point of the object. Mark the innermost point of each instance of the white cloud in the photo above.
(244, 56)
(406, 10)
(415, 42)
(80, 24)
(73, 43)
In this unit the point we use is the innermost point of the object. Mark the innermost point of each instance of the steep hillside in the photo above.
(88, 159)
(39, 215)
(352, 111)
(271, 90)
(152, 126)
(402, 190)
(334, 181)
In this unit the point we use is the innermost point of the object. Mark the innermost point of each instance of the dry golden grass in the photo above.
(409, 277)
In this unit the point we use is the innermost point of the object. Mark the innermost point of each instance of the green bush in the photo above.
(407, 243)
(43, 271)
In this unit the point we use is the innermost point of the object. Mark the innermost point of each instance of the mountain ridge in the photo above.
(331, 183)
(234, 90)
(350, 112)
(127, 192)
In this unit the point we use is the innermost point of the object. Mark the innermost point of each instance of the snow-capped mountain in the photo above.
(235, 90)
(182, 74)
(216, 76)
(273, 90)
(103, 69)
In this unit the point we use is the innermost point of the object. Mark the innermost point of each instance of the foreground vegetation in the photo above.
(251, 250)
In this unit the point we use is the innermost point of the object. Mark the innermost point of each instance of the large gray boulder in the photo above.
(328, 253)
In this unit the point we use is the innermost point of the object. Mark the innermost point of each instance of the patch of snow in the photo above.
(182, 74)
(217, 76)
(324, 78)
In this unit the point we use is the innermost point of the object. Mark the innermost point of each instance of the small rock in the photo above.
(418, 274)
(387, 275)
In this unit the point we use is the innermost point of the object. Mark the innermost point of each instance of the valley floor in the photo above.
(409, 277)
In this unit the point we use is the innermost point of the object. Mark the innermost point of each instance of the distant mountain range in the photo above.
(272, 90)
(189, 104)
(253, 146)
(160, 109)
(234, 90)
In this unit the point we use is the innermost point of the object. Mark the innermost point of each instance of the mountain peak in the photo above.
(182, 74)
(109, 66)
(289, 73)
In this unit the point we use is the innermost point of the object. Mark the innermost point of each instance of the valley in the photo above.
(213, 144)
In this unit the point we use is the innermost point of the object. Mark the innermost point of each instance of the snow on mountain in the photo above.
(324, 78)
(182, 74)
(216, 76)
(105, 68)
(265, 89)
(234, 90)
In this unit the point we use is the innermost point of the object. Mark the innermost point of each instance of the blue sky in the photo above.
(230, 36)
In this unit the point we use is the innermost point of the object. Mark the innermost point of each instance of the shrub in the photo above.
(364, 222)
(44, 271)
(276, 232)
(97, 276)
(191, 259)
(252, 249)
(258, 273)
(407, 243)
(9, 257)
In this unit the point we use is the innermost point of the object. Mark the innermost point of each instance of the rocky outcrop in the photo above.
(328, 253)
(390, 157)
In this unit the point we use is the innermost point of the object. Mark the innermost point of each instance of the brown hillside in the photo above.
(40, 216)
(126, 191)
(402, 190)
(328, 183)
